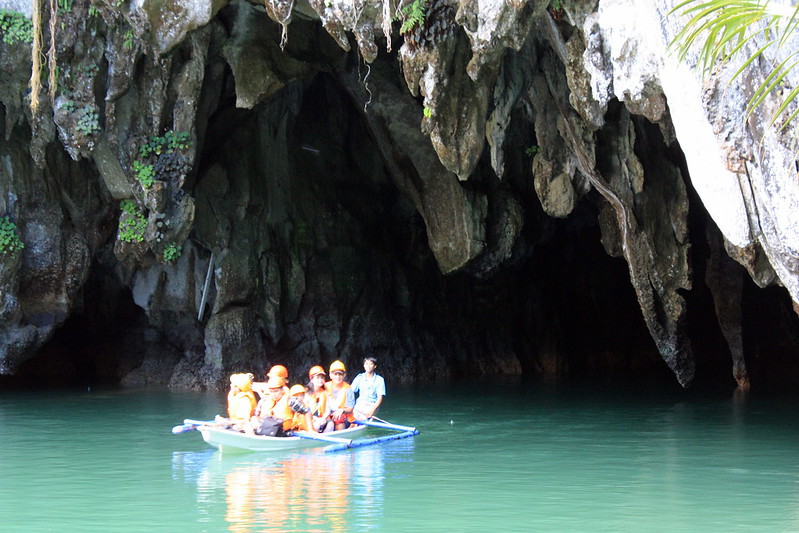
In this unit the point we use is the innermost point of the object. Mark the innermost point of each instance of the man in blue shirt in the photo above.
(371, 390)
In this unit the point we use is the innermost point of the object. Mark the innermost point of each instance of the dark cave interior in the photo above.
(562, 305)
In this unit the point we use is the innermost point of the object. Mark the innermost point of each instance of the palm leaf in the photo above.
(723, 28)
(772, 80)
(788, 99)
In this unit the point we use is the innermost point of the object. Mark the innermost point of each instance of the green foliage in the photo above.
(532, 150)
(10, 243)
(725, 27)
(128, 42)
(144, 173)
(64, 6)
(69, 106)
(89, 121)
(132, 222)
(427, 112)
(93, 11)
(128, 206)
(172, 252)
(412, 15)
(170, 142)
(15, 27)
(89, 69)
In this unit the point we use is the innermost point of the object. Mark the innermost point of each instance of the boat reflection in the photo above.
(311, 491)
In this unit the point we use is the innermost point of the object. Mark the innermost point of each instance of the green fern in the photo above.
(413, 15)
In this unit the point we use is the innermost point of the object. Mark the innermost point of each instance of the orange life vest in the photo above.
(338, 397)
(318, 404)
(282, 410)
(241, 405)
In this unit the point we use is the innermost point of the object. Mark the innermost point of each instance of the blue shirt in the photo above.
(369, 390)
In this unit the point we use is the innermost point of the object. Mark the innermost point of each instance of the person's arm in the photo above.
(349, 401)
(380, 391)
(371, 410)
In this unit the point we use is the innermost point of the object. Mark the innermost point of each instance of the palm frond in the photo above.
(721, 29)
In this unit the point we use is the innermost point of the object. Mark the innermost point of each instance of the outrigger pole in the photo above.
(406, 431)
(369, 442)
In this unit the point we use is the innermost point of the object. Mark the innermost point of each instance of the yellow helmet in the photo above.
(337, 366)
(242, 381)
(296, 389)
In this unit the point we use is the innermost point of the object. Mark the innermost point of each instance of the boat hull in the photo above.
(226, 440)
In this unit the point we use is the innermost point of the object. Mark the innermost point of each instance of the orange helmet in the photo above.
(296, 389)
(337, 366)
(315, 371)
(280, 372)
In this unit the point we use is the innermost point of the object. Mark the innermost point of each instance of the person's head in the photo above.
(275, 386)
(337, 371)
(279, 371)
(241, 382)
(369, 364)
(297, 390)
(317, 377)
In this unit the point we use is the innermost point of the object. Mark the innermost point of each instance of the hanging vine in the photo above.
(37, 54)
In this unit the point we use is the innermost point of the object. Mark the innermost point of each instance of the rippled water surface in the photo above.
(491, 457)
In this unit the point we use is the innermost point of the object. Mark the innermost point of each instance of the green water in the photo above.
(491, 457)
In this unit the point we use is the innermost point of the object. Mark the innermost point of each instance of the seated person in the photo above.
(340, 396)
(277, 371)
(274, 415)
(371, 389)
(317, 400)
(240, 402)
(301, 419)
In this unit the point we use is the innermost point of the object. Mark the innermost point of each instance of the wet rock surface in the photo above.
(298, 182)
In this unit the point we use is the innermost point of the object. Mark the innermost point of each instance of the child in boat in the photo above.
(317, 400)
(274, 414)
(301, 419)
(371, 389)
(340, 396)
(240, 401)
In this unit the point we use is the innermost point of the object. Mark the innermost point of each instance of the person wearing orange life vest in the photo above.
(287, 410)
(317, 400)
(341, 397)
(240, 401)
(273, 411)
(277, 371)
(301, 419)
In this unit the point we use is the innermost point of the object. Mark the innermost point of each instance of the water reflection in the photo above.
(311, 491)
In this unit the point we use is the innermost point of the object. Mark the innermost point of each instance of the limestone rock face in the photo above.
(263, 191)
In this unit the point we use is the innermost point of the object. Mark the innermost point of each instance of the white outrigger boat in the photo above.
(229, 440)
